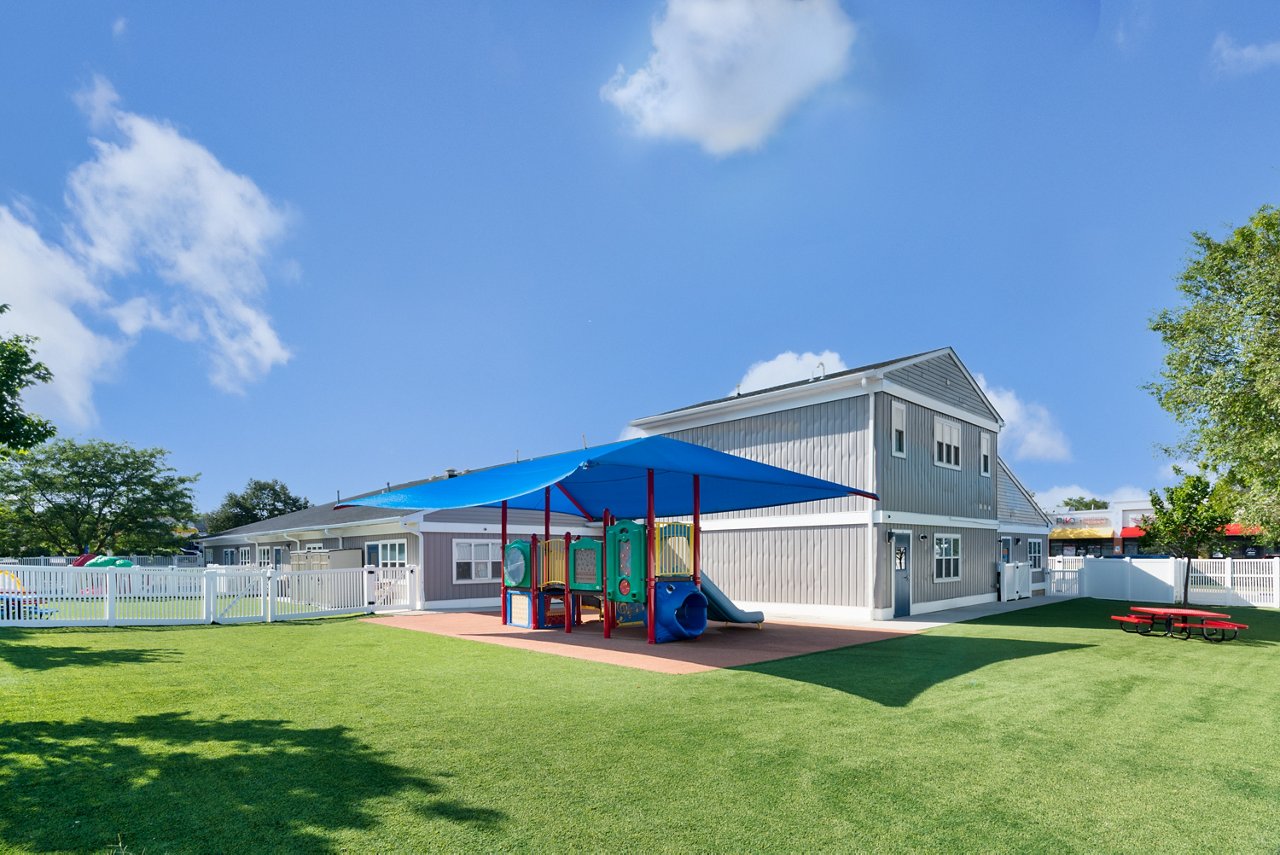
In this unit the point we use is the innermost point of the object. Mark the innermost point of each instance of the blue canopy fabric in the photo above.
(588, 481)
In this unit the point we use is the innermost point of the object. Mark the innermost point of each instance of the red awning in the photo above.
(1132, 531)
(1231, 530)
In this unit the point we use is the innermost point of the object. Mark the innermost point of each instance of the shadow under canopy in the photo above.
(895, 672)
(614, 477)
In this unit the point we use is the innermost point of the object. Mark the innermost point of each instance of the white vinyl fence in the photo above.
(159, 562)
(1214, 582)
(73, 596)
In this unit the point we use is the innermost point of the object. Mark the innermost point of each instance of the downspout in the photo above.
(873, 542)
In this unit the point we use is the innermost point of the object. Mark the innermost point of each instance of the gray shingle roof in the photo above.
(320, 516)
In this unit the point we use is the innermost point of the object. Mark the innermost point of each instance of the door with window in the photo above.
(901, 560)
(1006, 550)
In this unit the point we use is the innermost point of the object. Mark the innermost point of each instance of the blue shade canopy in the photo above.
(588, 481)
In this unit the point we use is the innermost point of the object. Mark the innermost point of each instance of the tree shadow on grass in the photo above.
(895, 672)
(173, 782)
(38, 657)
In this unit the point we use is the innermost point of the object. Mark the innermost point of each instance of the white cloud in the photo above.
(1030, 432)
(160, 236)
(789, 367)
(119, 27)
(1053, 498)
(1227, 57)
(725, 73)
(162, 201)
(44, 286)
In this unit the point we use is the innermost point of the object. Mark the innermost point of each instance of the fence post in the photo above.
(1275, 582)
(370, 582)
(415, 589)
(109, 588)
(1229, 582)
(269, 596)
(210, 594)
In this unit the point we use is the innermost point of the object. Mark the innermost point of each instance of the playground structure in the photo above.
(549, 582)
(17, 603)
(636, 570)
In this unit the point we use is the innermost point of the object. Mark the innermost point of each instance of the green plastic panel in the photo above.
(628, 546)
(585, 565)
(517, 565)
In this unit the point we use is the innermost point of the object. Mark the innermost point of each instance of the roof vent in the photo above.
(819, 372)
(451, 472)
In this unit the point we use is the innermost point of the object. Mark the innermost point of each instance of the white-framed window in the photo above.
(946, 557)
(228, 557)
(264, 556)
(1035, 554)
(477, 561)
(984, 454)
(946, 443)
(898, 429)
(385, 553)
(313, 547)
(246, 555)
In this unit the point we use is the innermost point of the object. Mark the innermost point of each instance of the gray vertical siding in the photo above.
(1013, 504)
(979, 552)
(914, 483)
(437, 569)
(943, 379)
(828, 440)
(810, 566)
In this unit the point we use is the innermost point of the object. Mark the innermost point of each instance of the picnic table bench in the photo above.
(1213, 626)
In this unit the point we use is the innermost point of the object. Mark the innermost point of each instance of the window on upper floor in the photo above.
(985, 455)
(946, 441)
(898, 429)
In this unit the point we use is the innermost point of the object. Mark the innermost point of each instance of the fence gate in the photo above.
(238, 596)
(393, 588)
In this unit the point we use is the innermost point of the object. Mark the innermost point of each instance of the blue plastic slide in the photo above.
(721, 608)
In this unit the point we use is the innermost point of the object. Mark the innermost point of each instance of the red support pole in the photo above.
(503, 565)
(535, 559)
(568, 597)
(650, 586)
(546, 534)
(606, 607)
(697, 531)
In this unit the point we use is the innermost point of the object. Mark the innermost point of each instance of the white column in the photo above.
(109, 589)
(210, 594)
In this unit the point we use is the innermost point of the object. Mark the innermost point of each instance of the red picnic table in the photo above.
(1213, 625)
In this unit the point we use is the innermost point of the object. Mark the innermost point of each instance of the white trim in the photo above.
(910, 518)
(1041, 541)
(472, 541)
(953, 603)
(958, 556)
(401, 541)
(1025, 528)
(941, 429)
(839, 389)
(897, 421)
(826, 520)
(466, 603)
(496, 529)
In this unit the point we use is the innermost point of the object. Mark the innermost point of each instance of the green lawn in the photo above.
(1041, 730)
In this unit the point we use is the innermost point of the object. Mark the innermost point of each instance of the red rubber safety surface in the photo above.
(718, 647)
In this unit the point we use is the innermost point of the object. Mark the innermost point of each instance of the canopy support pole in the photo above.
(503, 565)
(606, 605)
(650, 555)
(697, 531)
(568, 596)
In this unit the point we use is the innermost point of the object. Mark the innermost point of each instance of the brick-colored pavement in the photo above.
(719, 647)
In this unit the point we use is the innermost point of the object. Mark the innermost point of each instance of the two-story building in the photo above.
(920, 432)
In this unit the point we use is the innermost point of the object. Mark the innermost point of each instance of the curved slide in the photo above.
(721, 608)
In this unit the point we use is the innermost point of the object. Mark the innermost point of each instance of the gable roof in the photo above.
(796, 392)
(1004, 472)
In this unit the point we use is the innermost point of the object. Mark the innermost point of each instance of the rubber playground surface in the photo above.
(719, 647)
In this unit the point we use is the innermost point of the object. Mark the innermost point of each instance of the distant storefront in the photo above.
(1118, 531)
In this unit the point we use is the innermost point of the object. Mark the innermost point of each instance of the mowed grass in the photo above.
(1041, 730)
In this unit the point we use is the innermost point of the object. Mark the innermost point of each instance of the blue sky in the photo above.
(345, 245)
